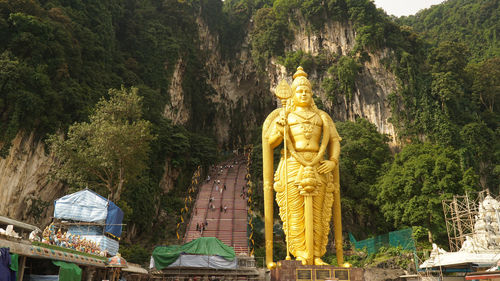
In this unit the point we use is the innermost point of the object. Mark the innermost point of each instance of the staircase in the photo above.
(229, 226)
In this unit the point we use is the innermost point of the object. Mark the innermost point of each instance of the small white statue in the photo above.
(10, 231)
(35, 235)
(469, 246)
(436, 251)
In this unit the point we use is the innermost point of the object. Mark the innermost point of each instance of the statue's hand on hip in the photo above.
(326, 166)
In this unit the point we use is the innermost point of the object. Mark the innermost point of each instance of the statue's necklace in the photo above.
(307, 125)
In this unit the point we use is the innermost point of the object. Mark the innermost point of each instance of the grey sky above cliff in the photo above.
(404, 7)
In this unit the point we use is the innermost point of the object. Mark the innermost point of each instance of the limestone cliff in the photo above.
(176, 110)
(26, 192)
(243, 97)
(374, 82)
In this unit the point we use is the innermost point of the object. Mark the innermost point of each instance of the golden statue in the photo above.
(306, 180)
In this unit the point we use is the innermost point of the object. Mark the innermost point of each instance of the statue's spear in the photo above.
(284, 92)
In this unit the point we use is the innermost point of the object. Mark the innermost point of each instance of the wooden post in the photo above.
(22, 265)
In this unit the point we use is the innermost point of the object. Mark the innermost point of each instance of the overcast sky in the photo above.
(404, 7)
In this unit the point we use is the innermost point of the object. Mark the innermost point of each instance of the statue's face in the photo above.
(303, 96)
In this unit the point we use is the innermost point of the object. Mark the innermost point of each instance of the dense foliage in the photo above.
(364, 152)
(58, 58)
(475, 23)
(342, 80)
(421, 176)
(449, 93)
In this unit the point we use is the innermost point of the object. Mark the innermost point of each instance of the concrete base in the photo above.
(294, 270)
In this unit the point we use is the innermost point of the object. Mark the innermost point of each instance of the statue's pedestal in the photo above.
(294, 270)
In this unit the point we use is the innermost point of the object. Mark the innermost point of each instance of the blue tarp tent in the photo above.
(88, 206)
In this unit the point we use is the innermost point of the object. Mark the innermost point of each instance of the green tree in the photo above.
(108, 151)
(448, 61)
(480, 151)
(475, 23)
(314, 11)
(294, 59)
(411, 191)
(445, 89)
(364, 151)
(486, 83)
(269, 35)
(343, 78)
(449, 57)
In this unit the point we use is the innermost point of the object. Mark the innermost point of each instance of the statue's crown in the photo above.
(300, 79)
(300, 72)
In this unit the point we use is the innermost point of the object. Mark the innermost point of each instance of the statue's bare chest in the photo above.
(305, 130)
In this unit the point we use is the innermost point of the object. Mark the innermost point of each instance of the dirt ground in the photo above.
(383, 274)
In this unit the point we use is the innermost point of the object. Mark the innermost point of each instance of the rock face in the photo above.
(25, 190)
(176, 110)
(170, 174)
(243, 97)
(374, 82)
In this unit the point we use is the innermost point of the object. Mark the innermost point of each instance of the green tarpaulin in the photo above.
(209, 246)
(14, 262)
(68, 271)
